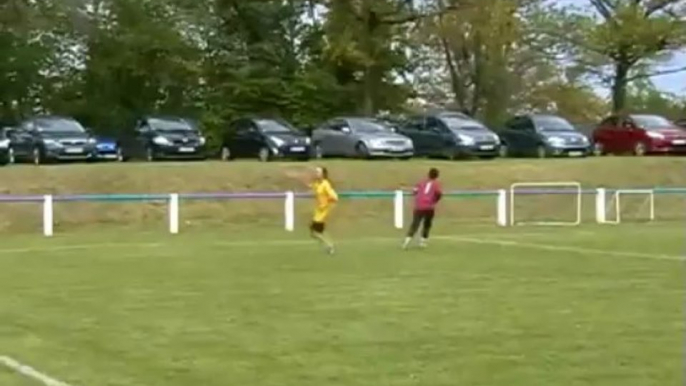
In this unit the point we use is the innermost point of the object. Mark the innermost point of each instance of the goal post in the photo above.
(563, 196)
(611, 212)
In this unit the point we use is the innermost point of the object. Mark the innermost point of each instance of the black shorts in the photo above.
(424, 214)
(317, 227)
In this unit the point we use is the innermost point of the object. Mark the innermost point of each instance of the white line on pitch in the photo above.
(563, 248)
(30, 372)
(246, 243)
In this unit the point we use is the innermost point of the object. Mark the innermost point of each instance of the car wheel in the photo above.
(263, 154)
(503, 152)
(362, 151)
(225, 154)
(318, 151)
(598, 149)
(541, 151)
(37, 156)
(640, 149)
(149, 154)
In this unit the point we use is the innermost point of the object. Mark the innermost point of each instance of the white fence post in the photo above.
(174, 213)
(600, 206)
(398, 209)
(289, 211)
(501, 216)
(47, 216)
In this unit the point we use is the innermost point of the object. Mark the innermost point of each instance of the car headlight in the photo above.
(465, 139)
(50, 142)
(161, 141)
(308, 140)
(4, 144)
(556, 141)
(92, 141)
(278, 142)
(655, 135)
(496, 139)
(202, 141)
(376, 142)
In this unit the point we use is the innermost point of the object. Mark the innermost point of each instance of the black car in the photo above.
(450, 135)
(265, 139)
(164, 137)
(51, 138)
(542, 136)
(6, 152)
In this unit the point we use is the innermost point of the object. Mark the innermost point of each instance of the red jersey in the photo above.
(426, 194)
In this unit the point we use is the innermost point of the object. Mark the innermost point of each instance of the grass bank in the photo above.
(196, 177)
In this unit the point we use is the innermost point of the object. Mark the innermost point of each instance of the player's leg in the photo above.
(426, 227)
(414, 227)
(317, 229)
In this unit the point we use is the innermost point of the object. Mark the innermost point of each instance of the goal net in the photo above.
(626, 205)
(545, 203)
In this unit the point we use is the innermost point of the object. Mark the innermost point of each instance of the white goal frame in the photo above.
(616, 199)
(577, 191)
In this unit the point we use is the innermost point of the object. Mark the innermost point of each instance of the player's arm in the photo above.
(331, 194)
(302, 177)
(439, 192)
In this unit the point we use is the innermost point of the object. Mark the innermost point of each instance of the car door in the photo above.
(628, 135)
(529, 136)
(439, 137)
(413, 129)
(514, 136)
(336, 137)
(247, 140)
(606, 133)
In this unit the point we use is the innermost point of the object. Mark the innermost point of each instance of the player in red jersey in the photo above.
(427, 193)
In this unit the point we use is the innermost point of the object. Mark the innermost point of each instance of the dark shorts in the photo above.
(424, 214)
(317, 227)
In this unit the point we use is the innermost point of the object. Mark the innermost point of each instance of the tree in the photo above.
(628, 36)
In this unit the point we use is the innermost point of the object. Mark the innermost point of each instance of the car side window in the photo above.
(415, 123)
(627, 124)
(244, 128)
(339, 125)
(434, 125)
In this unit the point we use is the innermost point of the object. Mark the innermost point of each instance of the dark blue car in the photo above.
(542, 136)
(108, 149)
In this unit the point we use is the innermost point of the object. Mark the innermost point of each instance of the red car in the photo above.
(638, 134)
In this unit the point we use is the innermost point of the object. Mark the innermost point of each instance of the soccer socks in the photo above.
(407, 242)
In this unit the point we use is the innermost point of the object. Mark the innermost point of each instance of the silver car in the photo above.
(360, 137)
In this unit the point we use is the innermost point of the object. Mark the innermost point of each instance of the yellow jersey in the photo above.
(325, 197)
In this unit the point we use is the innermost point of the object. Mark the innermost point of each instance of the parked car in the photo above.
(450, 135)
(360, 137)
(6, 152)
(264, 139)
(44, 139)
(638, 134)
(108, 149)
(164, 137)
(542, 136)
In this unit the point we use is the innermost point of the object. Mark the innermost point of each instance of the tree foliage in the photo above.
(106, 62)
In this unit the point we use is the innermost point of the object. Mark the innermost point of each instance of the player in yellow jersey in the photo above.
(325, 199)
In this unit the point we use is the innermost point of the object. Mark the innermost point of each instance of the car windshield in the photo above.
(459, 123)
(651, 122)
(553, 124)
(272, 126)
(369, 126)
(169, 124)
(59, 125)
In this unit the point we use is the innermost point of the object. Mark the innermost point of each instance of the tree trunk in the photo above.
(619, 84)
(370, 83)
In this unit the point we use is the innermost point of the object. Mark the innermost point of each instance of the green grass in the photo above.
(584, 306)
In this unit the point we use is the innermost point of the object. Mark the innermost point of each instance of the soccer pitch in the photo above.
(526, 306)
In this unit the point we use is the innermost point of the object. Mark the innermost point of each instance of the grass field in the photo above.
(481, 306)
(114, 300)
